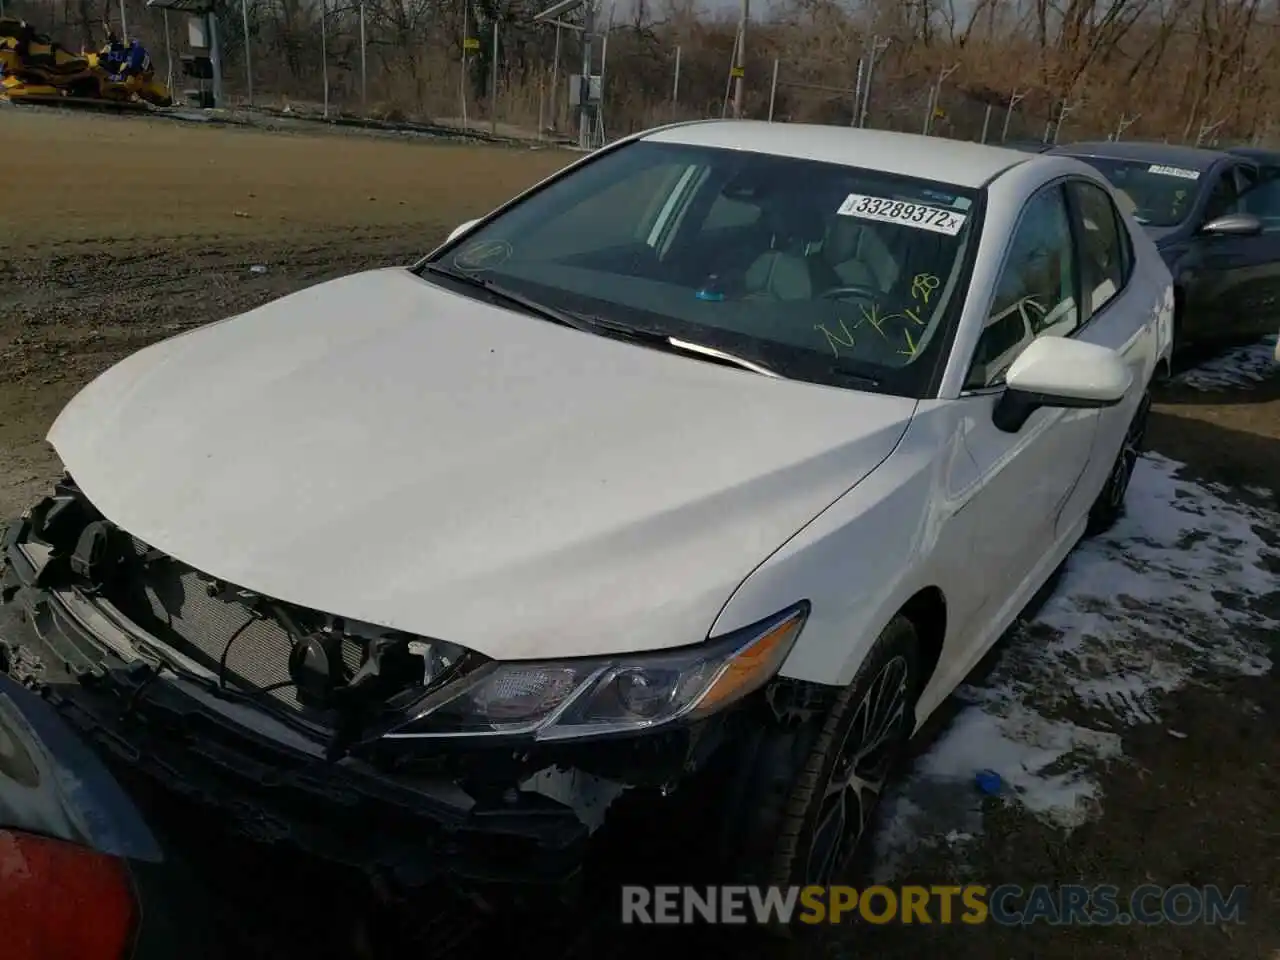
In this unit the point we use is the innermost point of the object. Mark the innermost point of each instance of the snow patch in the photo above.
(1164, 597)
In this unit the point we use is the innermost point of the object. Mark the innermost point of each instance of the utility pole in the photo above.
(935, 93)
(248, 67)
(1014, 99)
(584, 95)
(857, 91)
(364, 67)
(740, 61)
(1125, 123)
(877, 46)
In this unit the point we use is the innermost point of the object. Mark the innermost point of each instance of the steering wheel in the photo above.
(863, 291)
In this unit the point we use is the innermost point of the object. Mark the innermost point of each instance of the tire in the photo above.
(1108, 508)
(793, 769)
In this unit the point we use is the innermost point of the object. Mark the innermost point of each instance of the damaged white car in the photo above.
(714, 462)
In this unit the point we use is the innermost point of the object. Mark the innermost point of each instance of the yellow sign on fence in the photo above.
(470, 43)
(737, 72)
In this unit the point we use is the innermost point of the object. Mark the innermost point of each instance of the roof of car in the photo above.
(957, 162)
(1172, 154)
(1256, 153)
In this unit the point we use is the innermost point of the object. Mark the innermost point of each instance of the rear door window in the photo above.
(1102, 255)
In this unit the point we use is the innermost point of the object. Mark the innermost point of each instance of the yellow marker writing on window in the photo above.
(912, 346)
(923, 285)
(835, 341)
(872, 316)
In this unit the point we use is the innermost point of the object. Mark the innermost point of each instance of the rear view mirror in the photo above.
(460, 229)
(1233, 225)
(1058, 372)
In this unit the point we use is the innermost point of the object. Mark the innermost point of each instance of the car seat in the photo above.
(858, 254)
(789, 270)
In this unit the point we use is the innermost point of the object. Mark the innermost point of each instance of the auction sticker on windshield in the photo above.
(1174, 172)
(918, 215)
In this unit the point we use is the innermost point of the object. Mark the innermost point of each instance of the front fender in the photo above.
(858, 563)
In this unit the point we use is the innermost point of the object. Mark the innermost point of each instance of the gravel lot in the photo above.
(1133, 716)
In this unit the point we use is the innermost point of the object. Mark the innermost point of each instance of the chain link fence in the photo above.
(488, 66)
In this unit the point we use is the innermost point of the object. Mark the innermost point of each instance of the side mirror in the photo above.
(462, 228)
(1057, 372)
(1233, 225)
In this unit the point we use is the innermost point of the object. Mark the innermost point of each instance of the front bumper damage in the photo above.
(408, 812)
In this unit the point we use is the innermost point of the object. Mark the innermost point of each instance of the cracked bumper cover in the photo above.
(525, 816)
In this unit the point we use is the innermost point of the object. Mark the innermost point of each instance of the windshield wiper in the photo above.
(663, 341)
(511, 296)
(590, 324)
(651, 338)
(731, 358)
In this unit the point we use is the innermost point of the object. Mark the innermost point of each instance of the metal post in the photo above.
(773, 88)
(466, 36)
(928, 110)
(215, 57)
(740, 62)
(324, 59)
(584, 94)
(1206, 129)
(986, 122)
(857, 92)
(493, 82)
(675, 84)
(1125, 123)
(168, 47)
(1062, 116)
(248, 66)
(555, 81)
(124, 27)
(1014, 99)
(364, 67)
(878, 46)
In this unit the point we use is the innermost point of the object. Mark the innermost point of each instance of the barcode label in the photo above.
(918, 215)
(1174, 172)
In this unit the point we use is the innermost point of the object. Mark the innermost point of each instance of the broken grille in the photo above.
(174, 602)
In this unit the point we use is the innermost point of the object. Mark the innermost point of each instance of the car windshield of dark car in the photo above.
(1162, 194)
(815, 271)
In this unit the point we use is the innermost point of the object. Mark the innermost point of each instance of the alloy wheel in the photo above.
(858, 775)
(1127, 459)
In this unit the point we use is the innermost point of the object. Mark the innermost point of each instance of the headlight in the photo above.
(589, 697)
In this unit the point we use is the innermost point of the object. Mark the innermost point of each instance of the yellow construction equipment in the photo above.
(36, 68)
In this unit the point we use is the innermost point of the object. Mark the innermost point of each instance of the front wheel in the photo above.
(814, 791)
(1109, 507)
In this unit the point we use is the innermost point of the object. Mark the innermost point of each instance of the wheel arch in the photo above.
(926, 610)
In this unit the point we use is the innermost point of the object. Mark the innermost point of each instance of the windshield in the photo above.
(1161, 194)
(815, 271)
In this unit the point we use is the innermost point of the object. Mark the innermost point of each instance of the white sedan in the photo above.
(730, 449)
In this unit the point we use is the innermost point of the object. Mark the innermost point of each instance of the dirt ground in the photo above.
(127, 230)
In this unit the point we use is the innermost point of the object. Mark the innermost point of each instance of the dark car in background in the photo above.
(1216, 222)
(1026, 146)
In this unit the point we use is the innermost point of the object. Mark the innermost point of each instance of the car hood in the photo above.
(383, 449)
